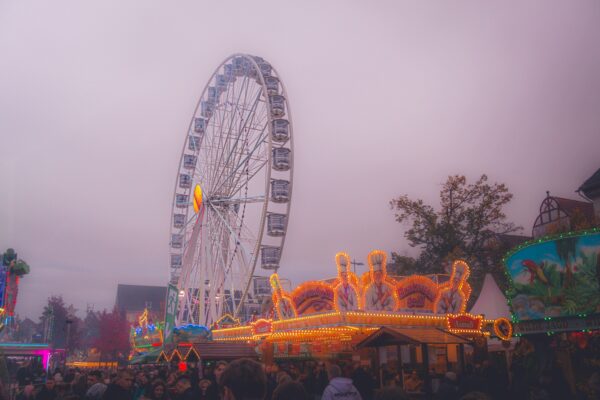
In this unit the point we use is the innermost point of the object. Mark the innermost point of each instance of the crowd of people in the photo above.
(246, 379)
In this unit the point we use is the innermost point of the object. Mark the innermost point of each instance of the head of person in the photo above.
(283, 377)
(290, 391)
(125, 379)
(159, 389)
(204, 384)
(183, 384)
(451, 376)
(50, 384)
(219, 369)
(244, 379)
(333, 371)
(141, 378)
(391, 393)
(28, 389)
(94, 377)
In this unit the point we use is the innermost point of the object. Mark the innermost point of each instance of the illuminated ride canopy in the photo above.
(347, 306)
(146, 334)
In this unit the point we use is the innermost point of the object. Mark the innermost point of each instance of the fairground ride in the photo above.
(233, 190)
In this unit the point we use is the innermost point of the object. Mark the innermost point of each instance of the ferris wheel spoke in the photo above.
(234, 172)
(234, 148)
(246, 113)
(237, 247)
(230, 229)
(237, 186)
(232, 116)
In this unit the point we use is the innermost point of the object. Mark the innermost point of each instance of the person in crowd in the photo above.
(271, 373)
(339, 387)
(391, 393)
(26, 393)
(24, 374)
(214, 376)
(448, 387)
(290, 391)
(96, 386)
(475, 396)
(308, 380)
(140, 385)
(364, 382)
(158, 391)
(63, 390)
(184, 389)
(219, 369)
(48, 391)
(244, 379)
(121, 389)
(321, 380)
(79, 386)
(283, 377)
(413, 383)
(205, 390)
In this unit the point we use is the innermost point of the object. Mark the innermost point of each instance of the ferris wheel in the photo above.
(233, 190)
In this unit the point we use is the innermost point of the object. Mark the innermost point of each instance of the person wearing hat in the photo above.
(345, 293)
(451, 299)
(282, 302)
(379, 294)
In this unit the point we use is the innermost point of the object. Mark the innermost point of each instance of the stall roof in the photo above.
(385, 336)
(213, 350)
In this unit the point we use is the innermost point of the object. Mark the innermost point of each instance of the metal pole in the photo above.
(354, 264)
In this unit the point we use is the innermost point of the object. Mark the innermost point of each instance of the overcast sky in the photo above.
(388, 98)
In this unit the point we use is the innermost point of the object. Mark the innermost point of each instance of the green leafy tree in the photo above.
(467, 225)
(60, 325)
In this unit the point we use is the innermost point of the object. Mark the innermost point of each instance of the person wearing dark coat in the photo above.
(184, 389)
(448, 388)
(121, 389)
(363, 382)
(48, 392)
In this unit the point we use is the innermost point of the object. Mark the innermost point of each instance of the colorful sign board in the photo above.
(555, 277)
(171, 311)
(313, 298)
(564, 324)
(375, 292)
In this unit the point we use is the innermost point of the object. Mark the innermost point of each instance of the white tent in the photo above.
(491, 301)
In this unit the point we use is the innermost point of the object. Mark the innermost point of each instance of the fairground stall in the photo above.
(414, 322)
(554, 297)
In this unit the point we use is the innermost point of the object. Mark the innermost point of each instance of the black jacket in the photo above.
(116, 392)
